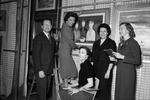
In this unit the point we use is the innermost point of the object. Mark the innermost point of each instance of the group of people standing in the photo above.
(126, 57)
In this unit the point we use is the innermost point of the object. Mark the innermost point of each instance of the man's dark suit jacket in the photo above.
(43, 53)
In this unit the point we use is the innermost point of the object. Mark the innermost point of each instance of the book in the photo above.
(109, 52)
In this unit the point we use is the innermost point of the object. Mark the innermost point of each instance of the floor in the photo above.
(32, 97)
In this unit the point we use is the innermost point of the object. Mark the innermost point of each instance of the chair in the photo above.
(31, 79)
(95, 89)
(56, 76)
(31, 92)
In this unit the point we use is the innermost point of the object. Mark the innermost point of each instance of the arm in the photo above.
(37, 57)
(113, 47)
(36, 54)
(86, 86)
(134, 56)
(108, 71)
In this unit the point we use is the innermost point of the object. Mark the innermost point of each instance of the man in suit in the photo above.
(43, 57)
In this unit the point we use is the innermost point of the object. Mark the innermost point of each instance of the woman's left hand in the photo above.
(73, 91)
(118, 55)
(112, 58)
(107, 74)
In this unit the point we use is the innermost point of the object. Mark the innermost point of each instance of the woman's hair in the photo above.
(129, 28)
(71, 14)
(88, 51)
(104, 25)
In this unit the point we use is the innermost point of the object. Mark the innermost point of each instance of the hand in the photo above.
(41, 74)
(112, 58)
(118, 55)
(73, 91)
(107, 74)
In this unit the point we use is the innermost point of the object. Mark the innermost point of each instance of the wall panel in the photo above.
(24, 38)
(9, 41)
(9, 46)
(143, 91)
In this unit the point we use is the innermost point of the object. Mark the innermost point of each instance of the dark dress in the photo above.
(126, 71)
(101, 63)
(85, 72)
(67, 64)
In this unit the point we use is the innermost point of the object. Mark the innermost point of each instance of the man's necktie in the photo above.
(49, 37)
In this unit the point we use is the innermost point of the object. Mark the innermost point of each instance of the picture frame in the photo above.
(45, 5)
(2, 20)
(96, 17)
(140, 20)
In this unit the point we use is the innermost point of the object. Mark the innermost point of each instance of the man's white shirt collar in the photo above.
(46, 34)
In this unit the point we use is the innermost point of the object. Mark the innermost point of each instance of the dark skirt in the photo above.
(100, 69)
(77, 96)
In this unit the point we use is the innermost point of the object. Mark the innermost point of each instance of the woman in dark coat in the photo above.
(101, 63)
(67, 65)
(128, 56)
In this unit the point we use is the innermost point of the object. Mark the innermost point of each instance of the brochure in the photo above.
(109, 52)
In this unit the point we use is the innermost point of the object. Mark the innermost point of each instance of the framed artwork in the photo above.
(85, 30)
(140, 20)
(45, 5)
(2, 20)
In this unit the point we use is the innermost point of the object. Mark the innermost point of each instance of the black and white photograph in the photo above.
(45, 5)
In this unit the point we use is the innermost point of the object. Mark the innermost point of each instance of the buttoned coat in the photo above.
(43, 53)
(43, 58)
(126, 69)
(101, 63)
